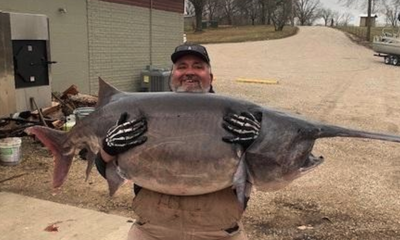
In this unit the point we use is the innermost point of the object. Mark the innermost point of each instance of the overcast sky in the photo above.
(332, 4)
(356, 12)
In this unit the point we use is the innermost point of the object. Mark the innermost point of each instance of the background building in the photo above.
(112, 39)
(364, 17)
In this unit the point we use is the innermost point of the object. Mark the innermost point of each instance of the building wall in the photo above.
(68, 38)
(112, 39)
(124, 39)
(363, 22)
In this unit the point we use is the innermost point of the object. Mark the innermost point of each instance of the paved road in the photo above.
(324, 76)
(24, 218)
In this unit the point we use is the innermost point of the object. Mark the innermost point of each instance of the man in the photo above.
(164, 217)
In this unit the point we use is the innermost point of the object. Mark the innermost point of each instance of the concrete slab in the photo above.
(24, 218)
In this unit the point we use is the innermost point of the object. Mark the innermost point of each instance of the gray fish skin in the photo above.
(184, 153)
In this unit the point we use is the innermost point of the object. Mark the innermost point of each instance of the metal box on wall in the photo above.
(24, 62)
(155, 80)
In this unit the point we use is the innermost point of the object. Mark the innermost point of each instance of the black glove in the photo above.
(244, 127)
(124, 135)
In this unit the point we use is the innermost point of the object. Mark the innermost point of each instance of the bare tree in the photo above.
(345, 18)
(293, 11)
(198, 8)
(280, 13)
(391, 11)
(249, 10)
(326, 14)
(230, 9)
(263, 10)
(266, 7)
(253, 10)
(212, 7)
(336, 18)
(370, 4)
(307, 11)
(189, 8)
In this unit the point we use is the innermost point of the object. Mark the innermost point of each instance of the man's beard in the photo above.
(195, 88)
(191, 89)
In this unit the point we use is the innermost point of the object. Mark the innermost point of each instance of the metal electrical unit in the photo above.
(155, 80)
(24, 62)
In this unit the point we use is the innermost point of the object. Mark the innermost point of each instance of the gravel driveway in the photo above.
(323, 76)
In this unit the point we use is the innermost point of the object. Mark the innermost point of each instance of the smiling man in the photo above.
(191, 71)
(210, 216)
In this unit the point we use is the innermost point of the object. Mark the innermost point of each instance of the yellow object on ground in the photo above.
(262, 81)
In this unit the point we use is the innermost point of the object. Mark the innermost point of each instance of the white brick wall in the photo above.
(119, 42)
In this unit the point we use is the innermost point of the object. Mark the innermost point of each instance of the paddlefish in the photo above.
(184, 153)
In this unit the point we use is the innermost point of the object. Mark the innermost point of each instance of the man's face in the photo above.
(191, 74)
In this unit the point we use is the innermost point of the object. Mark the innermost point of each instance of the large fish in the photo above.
(184, 153)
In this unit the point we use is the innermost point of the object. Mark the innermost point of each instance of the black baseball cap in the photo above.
(190, 49)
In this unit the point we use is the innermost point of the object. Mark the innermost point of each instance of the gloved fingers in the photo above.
(240, 140)
(126, 127)
(125, 135)
(238, 130)
(127, 144)
(229, 139)
(137, 141)
(242, 122)
(252, 118)
(133, 126)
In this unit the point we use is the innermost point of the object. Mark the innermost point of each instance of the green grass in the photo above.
(239, 34)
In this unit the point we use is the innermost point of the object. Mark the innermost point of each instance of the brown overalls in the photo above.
(203, 217)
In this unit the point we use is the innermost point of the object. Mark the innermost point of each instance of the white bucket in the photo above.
(10, 152)
(83, 112)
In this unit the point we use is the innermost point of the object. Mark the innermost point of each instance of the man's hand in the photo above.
(124, 135)
(244, 127)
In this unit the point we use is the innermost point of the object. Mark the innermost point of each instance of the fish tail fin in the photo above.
(55, 141)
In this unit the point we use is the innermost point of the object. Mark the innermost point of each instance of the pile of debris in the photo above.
(55, 116)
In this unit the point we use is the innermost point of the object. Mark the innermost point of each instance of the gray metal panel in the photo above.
(17, 26)
(7, 86)
(29, 26)
(42, 96)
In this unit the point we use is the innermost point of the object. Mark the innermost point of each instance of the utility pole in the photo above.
(292, 12)
(369, 20)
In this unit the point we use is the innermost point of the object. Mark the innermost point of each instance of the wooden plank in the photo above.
(261, 81)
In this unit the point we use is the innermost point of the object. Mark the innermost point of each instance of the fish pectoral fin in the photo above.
(242, 183)
(90, 157)
(114, 177)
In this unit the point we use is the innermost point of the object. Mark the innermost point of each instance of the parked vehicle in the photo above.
(388, 46)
